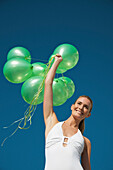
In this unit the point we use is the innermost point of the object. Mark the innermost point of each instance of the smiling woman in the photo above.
(82, 123)
(65, 143)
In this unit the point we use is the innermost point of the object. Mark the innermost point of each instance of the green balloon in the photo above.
(59, 70)
(30, 88)
(39, 69)
(60, 94)
(17, 70)
(19, 52)
(70, 85)
(69, 54)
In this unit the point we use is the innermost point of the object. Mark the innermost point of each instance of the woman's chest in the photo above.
(68, 131)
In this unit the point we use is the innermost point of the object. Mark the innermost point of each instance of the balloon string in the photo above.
(13, 123)
(35, 98)
(31, 108)
(38, 60)
(33, 59)
(64, 80)
(12, 133)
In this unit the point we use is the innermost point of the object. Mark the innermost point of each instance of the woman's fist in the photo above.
(58, 57)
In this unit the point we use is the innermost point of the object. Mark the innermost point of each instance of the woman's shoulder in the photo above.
(86, 139)
(87, 142)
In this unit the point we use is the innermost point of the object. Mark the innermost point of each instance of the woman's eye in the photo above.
(86, 107)
(79, 103)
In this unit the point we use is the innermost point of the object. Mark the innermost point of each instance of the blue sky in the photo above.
(40, 26)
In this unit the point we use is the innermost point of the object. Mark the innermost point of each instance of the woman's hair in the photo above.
(82, 123)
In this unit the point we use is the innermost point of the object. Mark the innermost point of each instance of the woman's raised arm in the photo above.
(48, 93)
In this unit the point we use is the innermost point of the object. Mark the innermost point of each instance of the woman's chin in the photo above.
(77, 116)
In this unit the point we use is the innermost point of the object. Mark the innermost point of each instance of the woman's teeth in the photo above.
(79, 111)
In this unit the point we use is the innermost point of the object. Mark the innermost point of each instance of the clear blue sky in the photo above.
(40, 26)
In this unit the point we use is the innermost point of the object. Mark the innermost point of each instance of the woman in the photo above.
(65, 143)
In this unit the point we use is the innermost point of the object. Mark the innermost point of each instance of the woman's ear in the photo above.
(88, 115)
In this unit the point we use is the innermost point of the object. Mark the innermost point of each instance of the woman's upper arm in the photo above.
(85, 157)
(48, 101)
(50, 117)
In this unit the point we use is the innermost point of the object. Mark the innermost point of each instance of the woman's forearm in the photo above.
(52, 71)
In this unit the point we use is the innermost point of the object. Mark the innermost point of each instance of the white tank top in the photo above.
(59, 157)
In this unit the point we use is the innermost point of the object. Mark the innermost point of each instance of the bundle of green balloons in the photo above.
(18, 69)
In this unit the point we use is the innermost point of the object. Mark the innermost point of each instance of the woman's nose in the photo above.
(81, 107)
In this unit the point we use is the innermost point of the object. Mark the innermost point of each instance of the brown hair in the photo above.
(82, 123)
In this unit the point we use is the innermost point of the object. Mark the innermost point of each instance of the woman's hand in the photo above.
(58, 57)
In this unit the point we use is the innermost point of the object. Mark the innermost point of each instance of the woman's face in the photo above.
(81, 108)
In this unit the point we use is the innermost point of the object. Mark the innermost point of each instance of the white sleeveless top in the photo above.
(59, 157)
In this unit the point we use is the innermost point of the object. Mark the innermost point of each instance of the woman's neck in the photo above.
(72, 122)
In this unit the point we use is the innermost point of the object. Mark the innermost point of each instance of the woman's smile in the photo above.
(79, 111)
